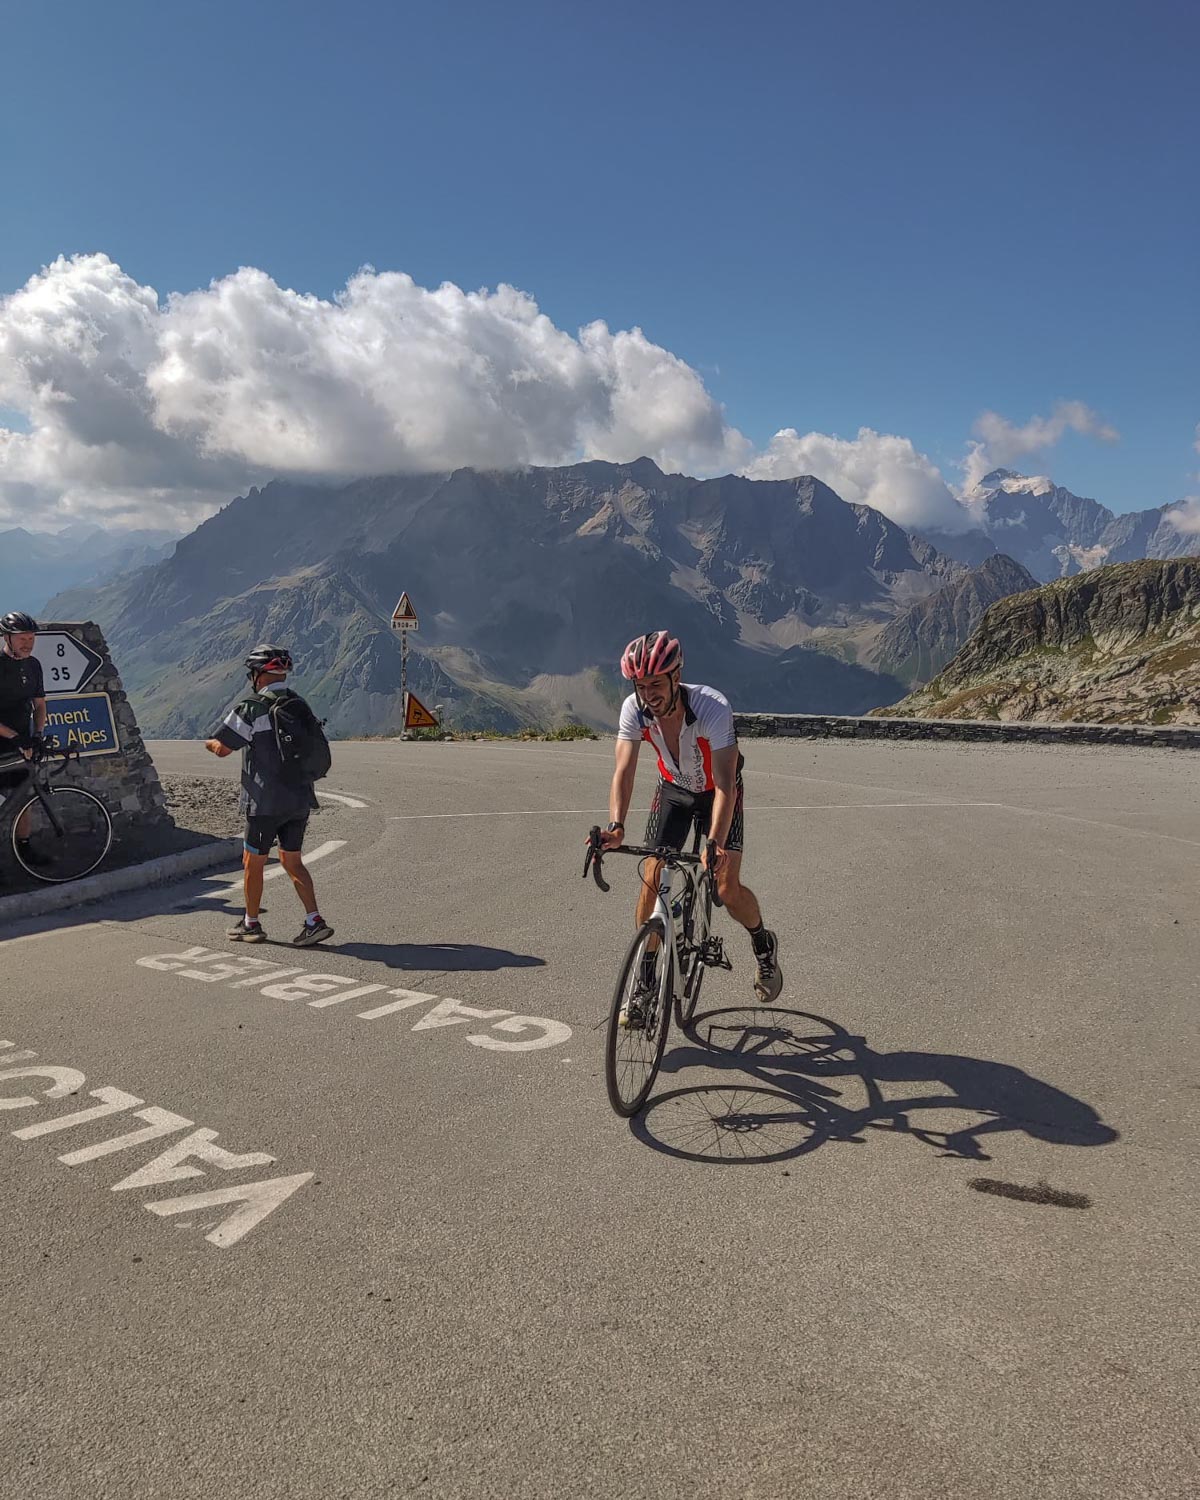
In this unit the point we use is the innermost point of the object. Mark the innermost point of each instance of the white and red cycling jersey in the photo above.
(707, 726)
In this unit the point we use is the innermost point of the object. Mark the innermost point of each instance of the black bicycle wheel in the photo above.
(632, 1054)
(685, 1001)
(71, 849)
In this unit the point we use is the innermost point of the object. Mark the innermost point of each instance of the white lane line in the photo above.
(1137, 833)
(762, 807)
(324, 796)
(223, 893)
(757, 769)
(535, 812)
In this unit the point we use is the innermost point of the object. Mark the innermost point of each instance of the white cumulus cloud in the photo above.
(1001, 442)
(143, 409)
(875, 468)
(1185, 517)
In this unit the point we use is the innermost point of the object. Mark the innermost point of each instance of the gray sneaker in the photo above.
(246, 933)
(312, 932)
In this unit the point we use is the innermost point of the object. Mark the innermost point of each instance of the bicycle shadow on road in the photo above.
(806, 1081)
(442, 957)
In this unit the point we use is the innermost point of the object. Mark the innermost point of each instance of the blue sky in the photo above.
(872, 214)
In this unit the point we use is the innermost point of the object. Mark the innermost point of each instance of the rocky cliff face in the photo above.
(1119, 644)
(920, 641)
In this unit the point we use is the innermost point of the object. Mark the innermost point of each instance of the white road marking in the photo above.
(536, 1032)
(256, 1199)
(229, 891)
(64, 1081)
(324, 796)
(1137, 833)
(343, 995)
(172, 1164)
(301, 987)
(761, 807)
(159, 1122)
(553, 1034)
(113, 1102)
(407, 998)
(262, 978)
(453, 1013)
(535, 812)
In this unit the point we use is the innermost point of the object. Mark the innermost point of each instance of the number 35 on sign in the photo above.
(67, 664)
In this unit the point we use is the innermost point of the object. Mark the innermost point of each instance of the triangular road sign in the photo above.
(404, 616)
(416, 715)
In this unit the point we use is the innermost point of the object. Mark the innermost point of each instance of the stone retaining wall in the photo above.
(839, 726)
(127, 782)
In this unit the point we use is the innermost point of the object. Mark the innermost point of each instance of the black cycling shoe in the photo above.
(770, 975)
(638, 1009)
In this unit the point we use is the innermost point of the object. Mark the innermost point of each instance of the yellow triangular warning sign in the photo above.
(416, 715)
(404, 616)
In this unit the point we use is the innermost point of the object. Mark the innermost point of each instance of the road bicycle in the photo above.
(679, 933)
(56, 833)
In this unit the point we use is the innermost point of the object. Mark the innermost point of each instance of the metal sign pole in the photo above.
(404, 619)
(404, 680)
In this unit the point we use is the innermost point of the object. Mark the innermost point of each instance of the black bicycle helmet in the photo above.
(17, 622)
(268, 659)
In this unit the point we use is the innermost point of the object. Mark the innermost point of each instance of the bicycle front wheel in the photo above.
(638, 1022)
(65, 841)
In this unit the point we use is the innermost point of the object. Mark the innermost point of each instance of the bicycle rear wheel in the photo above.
(685, 1001)
(632, 1054)
(68, 845)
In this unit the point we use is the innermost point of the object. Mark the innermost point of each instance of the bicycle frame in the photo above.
(31, 779)
(689, 898)
(688, 902)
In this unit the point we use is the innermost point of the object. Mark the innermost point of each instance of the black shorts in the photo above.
(675, 812)
(261, 833)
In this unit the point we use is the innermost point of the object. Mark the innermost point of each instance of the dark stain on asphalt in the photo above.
(1042, 1193)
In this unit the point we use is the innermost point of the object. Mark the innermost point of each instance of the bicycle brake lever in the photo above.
(594, 860)
(711, 853)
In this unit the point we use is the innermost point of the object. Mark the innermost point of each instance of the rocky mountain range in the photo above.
(529, 582)
(1117, 644)
(36, 565)
(1054, 533)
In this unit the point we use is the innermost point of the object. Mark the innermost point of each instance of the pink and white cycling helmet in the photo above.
(651, 655)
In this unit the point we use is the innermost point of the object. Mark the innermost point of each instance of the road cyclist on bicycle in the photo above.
(22, 708)
(690, 727)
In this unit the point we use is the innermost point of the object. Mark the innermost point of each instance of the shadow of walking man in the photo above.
(799, 1080)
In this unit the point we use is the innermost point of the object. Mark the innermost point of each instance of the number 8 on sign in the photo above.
(68, 665)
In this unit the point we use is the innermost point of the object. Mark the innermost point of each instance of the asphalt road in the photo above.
(369, 1228)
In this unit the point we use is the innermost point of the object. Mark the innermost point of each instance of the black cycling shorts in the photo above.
(261, 833)
(675, 812)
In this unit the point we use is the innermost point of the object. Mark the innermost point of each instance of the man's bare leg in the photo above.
(253, 866)
(293, 863)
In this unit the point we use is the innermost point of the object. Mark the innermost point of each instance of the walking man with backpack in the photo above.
(284, 751)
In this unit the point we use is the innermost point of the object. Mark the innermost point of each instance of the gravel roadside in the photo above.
(203, 808)
(208, 805)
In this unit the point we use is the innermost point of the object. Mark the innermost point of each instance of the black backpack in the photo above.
(304, 752)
